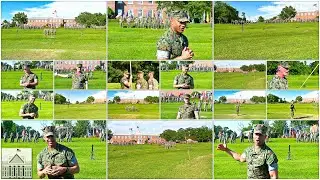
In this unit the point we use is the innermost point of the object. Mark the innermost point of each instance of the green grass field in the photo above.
(80, 111)
(170, 111)
(89, 169)
(118, 86)
(68, 44)
(296, 81)
(303, 164)
(303, 111)
(247, 111)
(267, 41)
(254, 80)
(156, 162)
(146, 111)
(11, 79)
(98, 81)
(202, 80)
(140, 44)
(10, 109)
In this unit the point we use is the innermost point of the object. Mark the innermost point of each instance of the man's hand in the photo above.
(222, 147)
(47, 170)
(25, 84)
(32, 114)
(58, 170)
(186, 53)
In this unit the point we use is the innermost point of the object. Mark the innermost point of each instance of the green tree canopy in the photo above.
(20, 18)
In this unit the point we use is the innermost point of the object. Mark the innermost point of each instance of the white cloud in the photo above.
(100, 95)
(276, 7)
(135, 94)
(236, 64)
(312, 94)
(246, 94)
(64, 9)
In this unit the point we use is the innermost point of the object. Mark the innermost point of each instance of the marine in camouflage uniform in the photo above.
(152, 82)
(238, 108)
(292, 109)
(29, 110)
(279, 81)
(188, 110)
(173, 42)
(183, 80)
(79, 78)
(125, 80)
(29, 80)
(141, 82)
(56, 160)
(262, 161)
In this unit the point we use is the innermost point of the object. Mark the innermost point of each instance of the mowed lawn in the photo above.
(247, 111)
(286, 41)
(89, 169)
(68, 44)
(303, 111)
(234, 80)
(202, 80)
(296, 81)
(10, 109)
(141, 44)
(146, 111)
(156, 162)
(80, 111)
(170, 111)
(11, 79)
(97, 82)
(303, 164)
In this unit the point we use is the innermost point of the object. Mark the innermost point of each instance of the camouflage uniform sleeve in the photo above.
(35, 77)
(23, 108)
(175, 81)
(245, 154)
(163, 48)
(155, 84)
(271, 157)
(273, 84)
(191, 83)
(21, 79)
(40, 166)
(185, 41)
(71, 158)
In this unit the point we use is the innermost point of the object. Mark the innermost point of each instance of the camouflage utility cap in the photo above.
(261, 129)
(49, 131)
(181, 16)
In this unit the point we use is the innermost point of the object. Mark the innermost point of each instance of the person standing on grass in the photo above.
(79, 78)
(188, 110)
(292, 109)
(173, 44)
(29, 80)
(29, 110)
(183, 80)
(262, 161)
(279, 81)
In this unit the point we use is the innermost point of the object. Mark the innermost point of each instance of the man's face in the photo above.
(186, 100)
(126, 75)
(185, 70)
(283, 71)
(78, 69)
(150, 75)
(26, 69)
(50, 140)
(178, 26)
(259, 139)
(140, 75)
(32, 99)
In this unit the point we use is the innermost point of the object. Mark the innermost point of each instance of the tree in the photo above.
(272, 98)
(223, 99)
(89, 19)
(243, 16)
(169, 135)
(278, 127)
(111, 13)
(59, 99)
(20, 18)
(244, 68)
(117, 99)
(110, 134)
(224, 13)
(298, 98)
(260, 19)
(288, 13)
(81, 128)
(90, 99)
(100, 124)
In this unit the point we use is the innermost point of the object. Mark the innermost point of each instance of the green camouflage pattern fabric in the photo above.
(278, 83)
(153, 84)
(141, 84)
(79, 81)
(172, 42)
(61, 156)
(123, 86)
(29, 108)
(187, 111)
(184, 79)
(30, 78)
(258, 162)
(238, 108)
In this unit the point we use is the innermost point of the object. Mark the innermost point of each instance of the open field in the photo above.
(18, 44)
(287, 41)
(154, 161)
(10, 109)
(80, 111)
(247, 111)
(170, 111)
(202, 80)
(303, 164)
(89, 169)
(296, 81)
(11, 79)
(303, 111)
(235, 80)
(140, 44)
(118, 86)
(97, 82)
(146, 111)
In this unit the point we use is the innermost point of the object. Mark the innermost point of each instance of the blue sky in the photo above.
(153, 127)
(80, 95)
(254, 9)
(46, 8)
(237, 94)
(131, 94)
(236, 64)
(291, 95)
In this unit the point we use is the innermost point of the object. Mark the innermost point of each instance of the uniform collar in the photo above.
(173, 32)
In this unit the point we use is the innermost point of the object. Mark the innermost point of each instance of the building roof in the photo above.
(16, 159)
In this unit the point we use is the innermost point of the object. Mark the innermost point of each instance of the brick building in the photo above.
(306, 15)
(228, 70)
(69, 65)
(133, 101)
(136, 8)
(310, 100)
(48, 21)
(137, 139)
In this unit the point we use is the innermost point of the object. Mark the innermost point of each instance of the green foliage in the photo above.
(299, 99)
(90, 99)
(89, 19)
(288, 13)
(152, 99)
(20, 18)
(224, 13)
(296, 67)
(80, 130)
(251, 67)
(59, 99)
(116, 99)
(201, 134)
(111, 13)
(258, 99)
(260, 19)
(272, 98)
(278, 127)
(223, 99)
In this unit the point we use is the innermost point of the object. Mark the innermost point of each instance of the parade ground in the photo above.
(80, 111)
(250, 80)
(247, 111)
(296, 81)
(307, 111)
(97, 82)
(143, 111)
(170, 111)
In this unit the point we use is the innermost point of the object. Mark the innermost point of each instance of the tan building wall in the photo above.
(306, 15)
(139, 139)
(48, 21)
(72, 64)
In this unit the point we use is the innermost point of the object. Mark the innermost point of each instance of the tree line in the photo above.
(60, 99)
(296, 67)
(201, 134)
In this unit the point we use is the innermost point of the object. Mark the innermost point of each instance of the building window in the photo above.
(140, 2)
(308, 14)
(151, 2)
(120, 2)
(312, 14)
(140, 13)
(130, 2)
(130, 13)
(150, 12)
